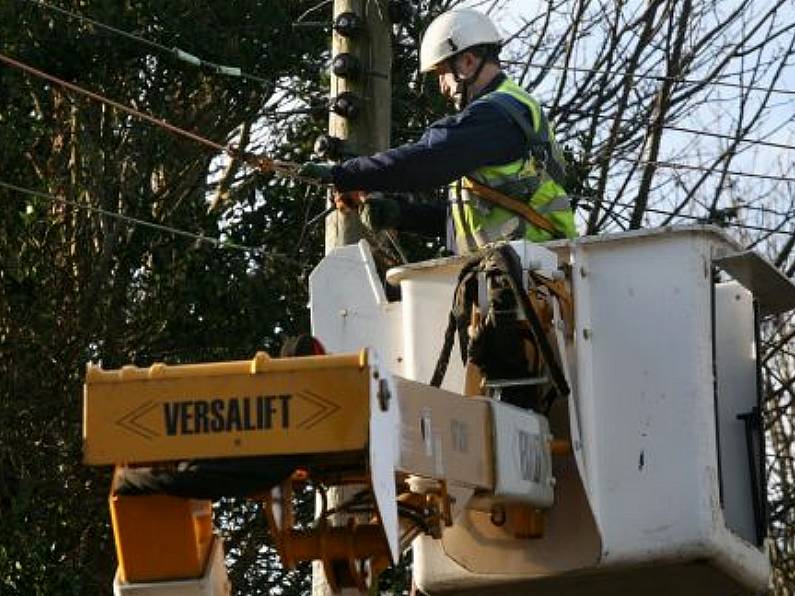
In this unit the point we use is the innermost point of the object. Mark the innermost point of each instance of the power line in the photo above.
(148, 224)
(261, 163)
(683, 166)
(696, 218)
(285, 258)
(102, 99)
(695, 131)
(289, 169)
(232, 71)
(237, 72)
(183, 56)
(658, 78)
(312, 9)
(718, 135)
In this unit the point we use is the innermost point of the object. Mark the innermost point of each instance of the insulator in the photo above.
(346, 104)
(348, 24)
(346, 66)
(328, 147)
(400, 11)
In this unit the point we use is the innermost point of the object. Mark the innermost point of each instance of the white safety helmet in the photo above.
(453, 32)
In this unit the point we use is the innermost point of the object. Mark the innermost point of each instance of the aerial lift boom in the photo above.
(368, 424)
(646, 478)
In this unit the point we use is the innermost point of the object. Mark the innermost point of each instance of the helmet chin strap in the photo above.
(463, 84)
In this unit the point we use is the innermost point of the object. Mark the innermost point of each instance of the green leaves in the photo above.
(75, 284)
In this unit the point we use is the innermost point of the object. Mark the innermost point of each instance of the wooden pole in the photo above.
(367, 132)
(364, 134)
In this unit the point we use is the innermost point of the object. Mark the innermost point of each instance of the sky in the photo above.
(778, 125)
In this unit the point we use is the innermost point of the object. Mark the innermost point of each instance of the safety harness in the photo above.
(512, 204)
(524, 198)
(503, 346)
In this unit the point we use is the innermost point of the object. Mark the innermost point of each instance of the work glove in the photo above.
(380, 213)
(348, 200)
(319, 172)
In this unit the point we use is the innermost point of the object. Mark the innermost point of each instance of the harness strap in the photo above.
(507, 264)
(536, 139)
(512, 204)
(504, 256)
(464, 296)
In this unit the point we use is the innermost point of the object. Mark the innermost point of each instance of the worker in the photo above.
(500, 138)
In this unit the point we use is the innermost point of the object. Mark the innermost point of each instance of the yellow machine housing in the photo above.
(342, 408)
(229, 409)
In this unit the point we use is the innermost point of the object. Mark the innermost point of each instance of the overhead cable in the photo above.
(696, 218)
(232, 71)
(652, 77)
(683, 166)
(264, 164)
(238, 72)
(695, 131)
(318, 6)
(148, 224)
(718, 135)
(671, 165)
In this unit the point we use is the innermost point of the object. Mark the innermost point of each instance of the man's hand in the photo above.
(317, 172)
(346, 201)
(380, 213)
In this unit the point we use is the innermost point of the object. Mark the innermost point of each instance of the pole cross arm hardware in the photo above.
(346, 65)
(350, 419)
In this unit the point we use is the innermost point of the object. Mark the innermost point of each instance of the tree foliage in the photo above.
(627, 82)
(79, 286)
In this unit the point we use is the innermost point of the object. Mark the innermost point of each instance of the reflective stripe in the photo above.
(540, 142)
(465, 241)
(534, 178)
(473, 201)
(513, 229)
(556, 204)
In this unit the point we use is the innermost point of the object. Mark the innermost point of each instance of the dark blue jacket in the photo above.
(480, 135)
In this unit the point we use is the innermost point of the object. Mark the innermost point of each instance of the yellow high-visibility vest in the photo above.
(535, 178)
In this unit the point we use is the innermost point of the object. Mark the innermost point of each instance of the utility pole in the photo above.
(359, 124)
(361, 95)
